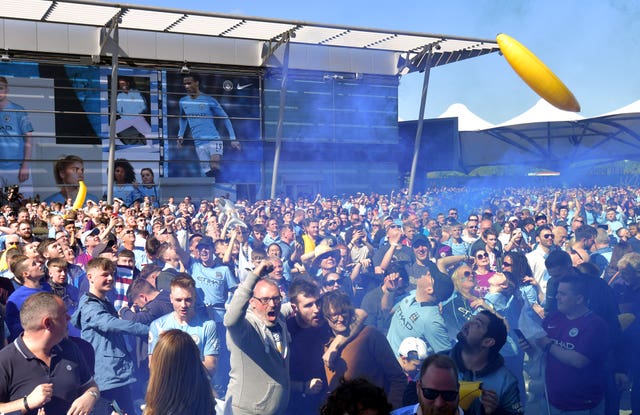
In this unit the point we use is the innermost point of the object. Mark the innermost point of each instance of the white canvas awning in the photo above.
(467, 120)
(547, 137)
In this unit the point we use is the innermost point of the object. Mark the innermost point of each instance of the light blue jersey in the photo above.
(213, 285)
(203, 332)
(14, 124)
(423, 320)
(198, 113)
(130, 104)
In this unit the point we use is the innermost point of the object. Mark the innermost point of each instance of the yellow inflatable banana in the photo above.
(469, 391)
(82, 194)
(536, 74)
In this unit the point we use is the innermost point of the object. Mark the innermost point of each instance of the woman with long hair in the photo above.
(125, 186)
(178, 383)
(517, 267)
(482, 271)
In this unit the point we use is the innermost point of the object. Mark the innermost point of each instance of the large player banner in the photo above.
(51, 112)
(213, 126)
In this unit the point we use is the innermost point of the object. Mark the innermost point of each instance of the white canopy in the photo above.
(546, 137)
(542, 111)
(467, 120)
(633, 108)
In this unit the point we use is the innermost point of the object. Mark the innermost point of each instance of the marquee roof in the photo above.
(410, 47)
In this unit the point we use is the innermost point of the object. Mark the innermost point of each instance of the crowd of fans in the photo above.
(288, 299)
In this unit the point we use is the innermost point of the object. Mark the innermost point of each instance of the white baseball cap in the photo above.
(415, 345)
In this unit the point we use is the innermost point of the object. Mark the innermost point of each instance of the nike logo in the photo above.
(241, 87)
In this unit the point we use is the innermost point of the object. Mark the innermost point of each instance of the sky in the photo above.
(593, 46)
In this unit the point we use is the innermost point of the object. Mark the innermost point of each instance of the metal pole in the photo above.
(423, 100)
(283, 96)
(113, 108)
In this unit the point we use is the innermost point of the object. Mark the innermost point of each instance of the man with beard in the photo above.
(437, 389)
(25, 232)
(537, 257)
(309, 335)
(477, 356)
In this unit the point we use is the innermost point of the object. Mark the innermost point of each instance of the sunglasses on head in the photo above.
(432, 394)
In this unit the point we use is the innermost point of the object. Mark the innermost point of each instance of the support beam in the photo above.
(113, 104)
(423, 101)
(283, 97)
(270, 48)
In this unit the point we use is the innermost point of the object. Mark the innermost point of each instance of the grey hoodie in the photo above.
(259, 372)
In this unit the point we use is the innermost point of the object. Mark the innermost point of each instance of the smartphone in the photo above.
(116, 408)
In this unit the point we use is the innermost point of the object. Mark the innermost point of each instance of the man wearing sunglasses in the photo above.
(437, 388)
(537, 257)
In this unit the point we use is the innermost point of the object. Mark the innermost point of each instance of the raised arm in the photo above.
(239, 303)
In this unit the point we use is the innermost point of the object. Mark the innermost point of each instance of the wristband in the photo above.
(25, 403)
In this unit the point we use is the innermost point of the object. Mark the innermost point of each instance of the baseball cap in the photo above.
(102, 248)
(420, 241)
(413, 348)
(205, 241)
(94, 231)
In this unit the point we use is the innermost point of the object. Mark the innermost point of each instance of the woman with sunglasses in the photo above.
(482, 272)
(463, 303)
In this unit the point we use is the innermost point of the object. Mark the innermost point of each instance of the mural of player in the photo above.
(15, 140)
(68, 171)
(198, 112)
(131, 108)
